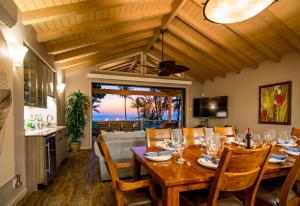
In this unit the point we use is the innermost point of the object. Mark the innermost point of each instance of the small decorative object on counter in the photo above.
(248, 139)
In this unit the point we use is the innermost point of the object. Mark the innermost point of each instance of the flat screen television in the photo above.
(215, 107)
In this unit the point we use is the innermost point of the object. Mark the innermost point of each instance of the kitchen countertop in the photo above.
(43, 132)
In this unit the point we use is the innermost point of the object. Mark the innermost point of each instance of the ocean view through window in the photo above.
(130, 108)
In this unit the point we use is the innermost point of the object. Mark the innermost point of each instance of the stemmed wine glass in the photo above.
(240, 139)
(181, 145)
(256, 141)
(212, 145)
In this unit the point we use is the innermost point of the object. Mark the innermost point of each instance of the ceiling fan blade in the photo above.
(164, 73)
(166, 64)
(180, 68)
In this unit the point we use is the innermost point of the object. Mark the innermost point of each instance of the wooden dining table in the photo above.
(175, 178)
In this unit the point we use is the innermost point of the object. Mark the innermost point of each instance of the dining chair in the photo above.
(283, 195)
(192, 135)
(238, 170)
(128, 192)
(155, 137)
(227, 131)
(296, 132)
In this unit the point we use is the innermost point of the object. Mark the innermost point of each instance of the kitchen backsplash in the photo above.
(43, 112)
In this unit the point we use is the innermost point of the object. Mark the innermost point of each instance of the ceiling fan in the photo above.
(168, 67)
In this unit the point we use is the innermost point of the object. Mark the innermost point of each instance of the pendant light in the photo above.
(233, 11)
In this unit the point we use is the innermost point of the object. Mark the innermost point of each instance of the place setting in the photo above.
(213, 145)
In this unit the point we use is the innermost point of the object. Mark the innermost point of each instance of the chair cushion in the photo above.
(270, 194)
(199, 198)
(137, 197)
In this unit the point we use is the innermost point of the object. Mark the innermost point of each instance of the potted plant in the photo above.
(76, 108)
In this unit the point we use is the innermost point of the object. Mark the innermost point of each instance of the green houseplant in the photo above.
(76, 109)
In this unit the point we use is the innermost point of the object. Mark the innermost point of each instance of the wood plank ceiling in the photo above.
(84, 33)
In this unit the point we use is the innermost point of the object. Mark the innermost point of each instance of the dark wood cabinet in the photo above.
(39, 81)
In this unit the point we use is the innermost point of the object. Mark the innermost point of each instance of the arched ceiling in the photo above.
(85, 33)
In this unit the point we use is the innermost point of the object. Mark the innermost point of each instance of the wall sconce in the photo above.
(60, 87)
(17, 53)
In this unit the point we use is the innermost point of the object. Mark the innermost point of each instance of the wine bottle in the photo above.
(248, 139)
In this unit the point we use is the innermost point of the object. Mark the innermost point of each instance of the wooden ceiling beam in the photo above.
(254, 42)
(98, 38)
(50, 13)
(177, 5)
(185, 60)
(193, 72)
(211, 67)
(206, 52)
(251, 40)
(117, 64)
(93, 49)
(101, 24)
(103, 59)
(196, 24)
(103, 53)
(273, 21)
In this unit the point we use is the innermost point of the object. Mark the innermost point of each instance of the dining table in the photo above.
(174, 178)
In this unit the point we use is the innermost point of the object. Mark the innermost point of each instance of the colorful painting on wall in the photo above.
(275, 103)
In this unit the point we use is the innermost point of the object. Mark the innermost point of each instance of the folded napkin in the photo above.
(278, 157)
(210, 159)
(155, 154)
(283, 142)
(166, 152)
(291, 149)
(151, 154)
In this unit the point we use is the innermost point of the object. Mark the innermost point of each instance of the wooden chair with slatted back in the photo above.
(227, 131)
(127, 192)
(238, 170)
(283, 195)
(155, 137)
(296, 132)
(192, 135)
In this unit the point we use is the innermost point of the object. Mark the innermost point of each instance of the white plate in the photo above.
(239, 143)
(292, 153)
(207, 164)
(159, 158)
(273, 160)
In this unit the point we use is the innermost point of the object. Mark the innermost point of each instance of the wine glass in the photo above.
(293, 140)
(181, 145)
(282, 137)
(212, 145)
(240, 139)
(272, 133)
(256, 140)
(222, 139)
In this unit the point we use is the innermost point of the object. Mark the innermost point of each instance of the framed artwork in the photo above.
(275, 103)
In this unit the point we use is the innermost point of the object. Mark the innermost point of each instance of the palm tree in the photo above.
(136, 103)
(125, 98)
(96, 98)
(177, 105)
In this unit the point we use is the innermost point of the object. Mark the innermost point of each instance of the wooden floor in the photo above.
(76, 183)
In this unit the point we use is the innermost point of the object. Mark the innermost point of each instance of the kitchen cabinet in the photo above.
(39, 81)
(45, 151)
(62, 146)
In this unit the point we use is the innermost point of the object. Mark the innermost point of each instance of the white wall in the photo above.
(243, 92)
(51, 109)
(8, 194)
(78, 81)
